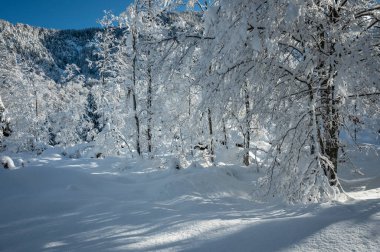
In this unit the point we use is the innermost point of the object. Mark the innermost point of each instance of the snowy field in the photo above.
(58, 204)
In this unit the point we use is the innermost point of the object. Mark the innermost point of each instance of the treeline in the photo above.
(279, 79)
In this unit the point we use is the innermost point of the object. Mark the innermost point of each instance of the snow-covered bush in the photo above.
(7, 162)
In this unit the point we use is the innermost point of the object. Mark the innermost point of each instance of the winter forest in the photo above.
(211, 104)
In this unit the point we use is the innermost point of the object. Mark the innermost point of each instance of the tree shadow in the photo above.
(97, 220)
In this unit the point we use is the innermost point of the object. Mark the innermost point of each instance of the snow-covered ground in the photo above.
(58, 204)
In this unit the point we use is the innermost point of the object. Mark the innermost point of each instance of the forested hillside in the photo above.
(284, 87)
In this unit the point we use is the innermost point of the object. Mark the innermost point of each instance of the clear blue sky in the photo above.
(59, 14)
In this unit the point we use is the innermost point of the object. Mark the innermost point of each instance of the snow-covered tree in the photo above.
(302, 61)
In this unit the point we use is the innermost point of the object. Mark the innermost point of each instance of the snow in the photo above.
(7, 162)
(113, 204)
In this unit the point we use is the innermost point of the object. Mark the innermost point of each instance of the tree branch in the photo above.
(363, 95)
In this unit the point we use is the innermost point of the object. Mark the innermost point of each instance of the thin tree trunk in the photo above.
(150, 112)
(247, 136)
(36, 103)
(356, 126)
(189, 111)
(312, 118)
(225, 134)
(134, 79)
(212, 152)
(189, 101)
(36, 125)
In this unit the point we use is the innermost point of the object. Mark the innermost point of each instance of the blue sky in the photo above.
(59, 14)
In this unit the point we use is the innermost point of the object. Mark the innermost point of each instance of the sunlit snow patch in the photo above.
(54, 244)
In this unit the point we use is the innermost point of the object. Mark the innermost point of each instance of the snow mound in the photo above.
(7, 162)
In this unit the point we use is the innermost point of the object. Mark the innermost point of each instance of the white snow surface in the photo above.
(112, 204)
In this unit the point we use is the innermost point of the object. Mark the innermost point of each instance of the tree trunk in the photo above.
(36, 124)
(247, 135)
(225, 134)
(134, 79)
(313, 137)
(189, 102)
(212, 152)
(149, 109)
(36, 103)
(330, 118)
(329, 110)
